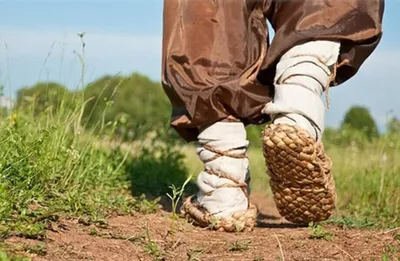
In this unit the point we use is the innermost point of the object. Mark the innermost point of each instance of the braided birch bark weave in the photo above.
(300, 174)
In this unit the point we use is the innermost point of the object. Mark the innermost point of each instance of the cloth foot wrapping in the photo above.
(302, 75)
(216, 194)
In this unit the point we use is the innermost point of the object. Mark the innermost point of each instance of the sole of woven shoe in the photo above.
(300, 174)
(239, 222)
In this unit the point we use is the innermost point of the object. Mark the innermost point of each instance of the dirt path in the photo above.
(125, 238)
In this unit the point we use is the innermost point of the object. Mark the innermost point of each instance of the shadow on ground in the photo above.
(153, 172)
(156, 168)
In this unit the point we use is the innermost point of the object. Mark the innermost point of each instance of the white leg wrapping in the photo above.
(223, 201)
(301, 77)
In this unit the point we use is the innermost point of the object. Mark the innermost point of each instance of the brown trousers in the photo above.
(217, 60)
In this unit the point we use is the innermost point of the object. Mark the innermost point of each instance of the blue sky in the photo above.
(38, 40)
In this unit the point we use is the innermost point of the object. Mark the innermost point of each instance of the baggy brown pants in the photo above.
(217, 60)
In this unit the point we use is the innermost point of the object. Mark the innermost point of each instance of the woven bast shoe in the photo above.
(237, 222)
(300, 174)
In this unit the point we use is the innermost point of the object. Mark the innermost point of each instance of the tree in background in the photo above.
(393, 126)
(359, 118)
(136, 102)
(44, 96)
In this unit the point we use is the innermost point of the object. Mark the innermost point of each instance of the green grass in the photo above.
(7, 257)
(317, 232)
(368, 182)
(239, 246)
(51, 167)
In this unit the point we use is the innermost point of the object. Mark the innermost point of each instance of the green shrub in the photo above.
(359, 118)
(45, 96)
(135, 100)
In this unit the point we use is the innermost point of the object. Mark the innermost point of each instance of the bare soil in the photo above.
(126, 238)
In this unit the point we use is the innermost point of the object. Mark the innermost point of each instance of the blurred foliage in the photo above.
(136, 101)
(132, 106)
(45, 96)
(359, 118)
(344, 136)
(393, 126)
(254, 135)
(127, 106)
(158, 164)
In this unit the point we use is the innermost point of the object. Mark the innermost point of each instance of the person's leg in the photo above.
(317, 44)
(303, 74)
(212, 51)
(217, 62)
(300, 171)
(223, 184)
